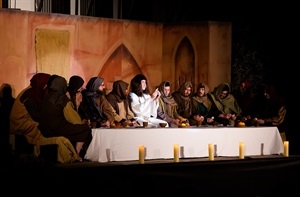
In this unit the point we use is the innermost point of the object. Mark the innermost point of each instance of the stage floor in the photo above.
(86, 163)
(257, 176)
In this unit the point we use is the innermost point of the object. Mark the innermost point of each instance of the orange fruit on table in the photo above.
(241, 124)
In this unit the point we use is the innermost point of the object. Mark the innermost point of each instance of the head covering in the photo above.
(202, 99)
(182, 88)
(59, 84)
(50, 80)
(94, 84)
(119, 90)
(59, 87)
(118, 95)
(203, 85)
(38, 84)
(227, 104)
(166, 98)
(39, 80)
(75, 83)
(220, 88)
(90, 95)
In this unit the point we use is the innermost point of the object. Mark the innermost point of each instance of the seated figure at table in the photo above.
(118, 98)
(25, 118)
(271, 110)
(25, 114)
(95, 106)
(57, 113)
(183, 98)
(144, 105)
(245, 97)
(167, 109)
(75, 86)
(225, 108)
(202, 105)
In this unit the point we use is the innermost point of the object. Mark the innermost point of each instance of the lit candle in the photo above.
(286, 148)
(176, 153)
(141, 154)
(211, 152)
(242, 150)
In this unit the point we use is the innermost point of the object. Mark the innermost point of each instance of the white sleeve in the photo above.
(141, 106)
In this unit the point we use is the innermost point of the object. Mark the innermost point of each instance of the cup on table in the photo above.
(145, 124)
(162, 124)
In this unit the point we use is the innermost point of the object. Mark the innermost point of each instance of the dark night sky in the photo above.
(268, 25)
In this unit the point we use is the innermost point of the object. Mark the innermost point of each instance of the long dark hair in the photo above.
(136, 86)
(75, 83)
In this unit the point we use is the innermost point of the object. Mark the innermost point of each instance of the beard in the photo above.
(101, 92)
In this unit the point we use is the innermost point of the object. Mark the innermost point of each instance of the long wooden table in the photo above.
(122, 144)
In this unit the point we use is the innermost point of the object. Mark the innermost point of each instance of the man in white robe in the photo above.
(144, 105)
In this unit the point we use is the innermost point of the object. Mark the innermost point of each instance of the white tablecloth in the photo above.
(122, 144)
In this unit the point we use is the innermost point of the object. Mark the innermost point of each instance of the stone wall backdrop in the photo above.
(67, 45)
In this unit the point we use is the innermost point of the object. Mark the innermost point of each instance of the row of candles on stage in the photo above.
(211, 151)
